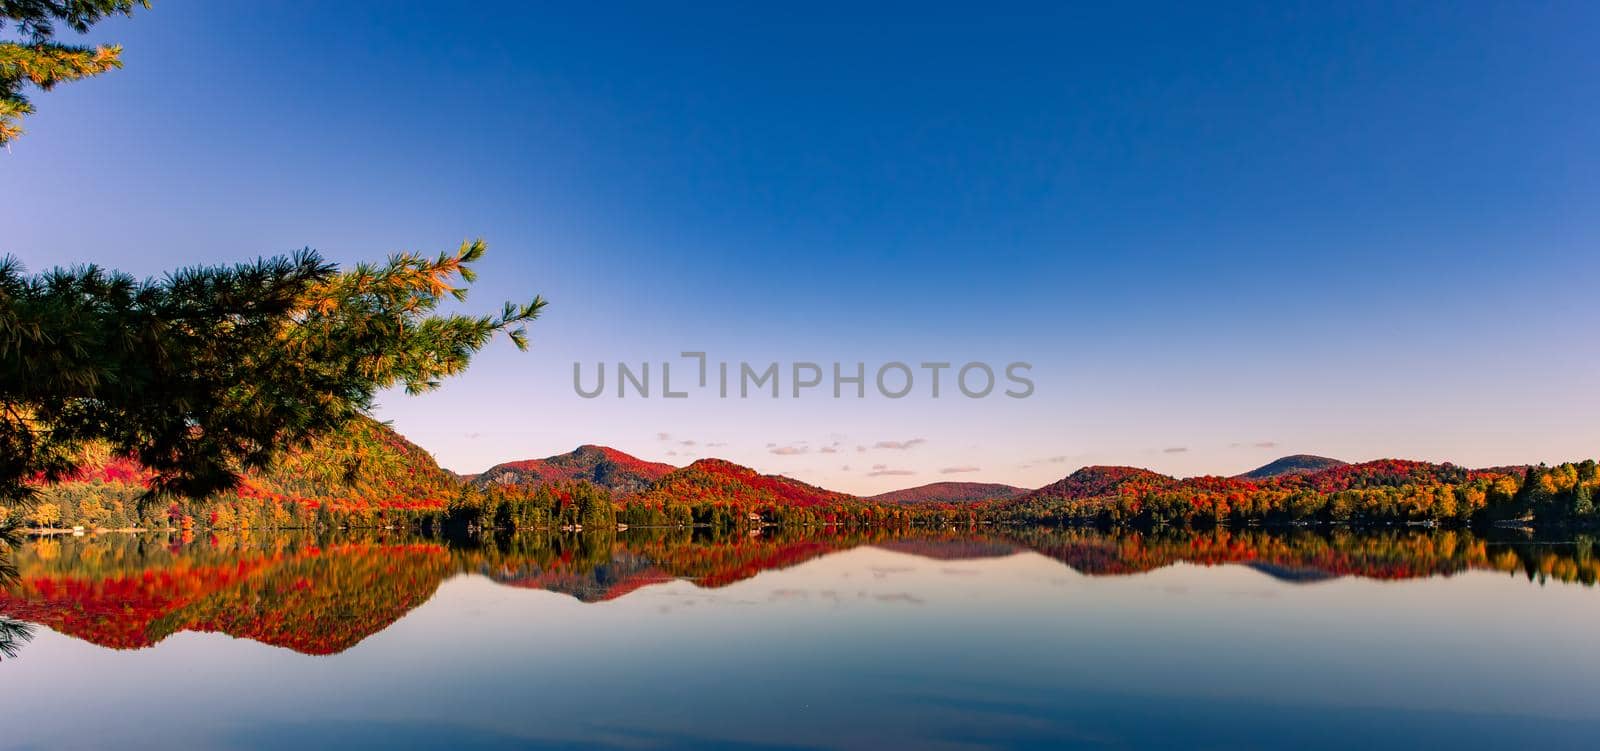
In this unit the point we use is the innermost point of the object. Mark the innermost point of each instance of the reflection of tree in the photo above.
(316, 596)
(323, 594)
(1309, 554)
(13, 633)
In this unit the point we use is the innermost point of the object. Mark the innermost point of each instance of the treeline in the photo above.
(117, 506)
(573, 505)
(1374, 494)
(566, 505)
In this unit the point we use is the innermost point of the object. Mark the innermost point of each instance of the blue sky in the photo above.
(1349, 229)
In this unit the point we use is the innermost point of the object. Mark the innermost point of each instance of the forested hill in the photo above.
(718, 479)
(1384, 491)
(368, 462)
(1297, 464)
(367, 475)
(616, 471)
(363, 469)
(948, 492)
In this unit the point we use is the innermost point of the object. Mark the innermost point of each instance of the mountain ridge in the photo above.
(1293, 464)
(714, 479)
(617, 471)
(948, 492)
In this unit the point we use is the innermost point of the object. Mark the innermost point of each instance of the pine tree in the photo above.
(38, 60)
(1582, 501)
(215, 370)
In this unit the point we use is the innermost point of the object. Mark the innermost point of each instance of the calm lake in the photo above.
(1016, 638)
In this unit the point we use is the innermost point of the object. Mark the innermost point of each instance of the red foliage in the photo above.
(1099, 482)
(948, 492)
(721, 482)
(602, 466)
(313, 601)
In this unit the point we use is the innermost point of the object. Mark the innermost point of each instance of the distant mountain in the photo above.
(948, 492)
(622, 474)
(722, 481)
(1378, 473)
(1297, 464)
(1096, 482)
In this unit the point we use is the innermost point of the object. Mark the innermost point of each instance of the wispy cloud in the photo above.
(958, 470)
(686, 443)
(1047, 460)
(1175, 450)
(900, 445)
(883, 470)
(1256, 445)
(788, 450)
(663, 436)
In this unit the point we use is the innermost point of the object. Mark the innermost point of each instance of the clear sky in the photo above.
(1219, 234)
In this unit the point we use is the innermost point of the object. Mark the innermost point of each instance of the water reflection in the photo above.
(13, 633)
(998, 638)
(322, 595)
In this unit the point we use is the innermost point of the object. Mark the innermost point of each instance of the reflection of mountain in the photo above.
(740, 558)
(952, 550)
(1292, 573)
(118, 611)
(309, 599)
(325, 596)
(323, 601)
(1301, 556)
(624, 573)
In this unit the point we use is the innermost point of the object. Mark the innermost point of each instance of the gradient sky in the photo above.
(1219, 234)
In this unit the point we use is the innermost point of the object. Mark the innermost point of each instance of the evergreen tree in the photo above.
(214, 370)
(1582, 501)
(38, 60)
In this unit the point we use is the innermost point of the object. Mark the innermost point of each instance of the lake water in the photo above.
(669, 639)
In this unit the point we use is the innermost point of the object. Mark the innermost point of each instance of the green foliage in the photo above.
(38, 60)
(215, 370)
(565, 505)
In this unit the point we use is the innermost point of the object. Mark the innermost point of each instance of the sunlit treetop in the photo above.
(214, 370)
(29, 54)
